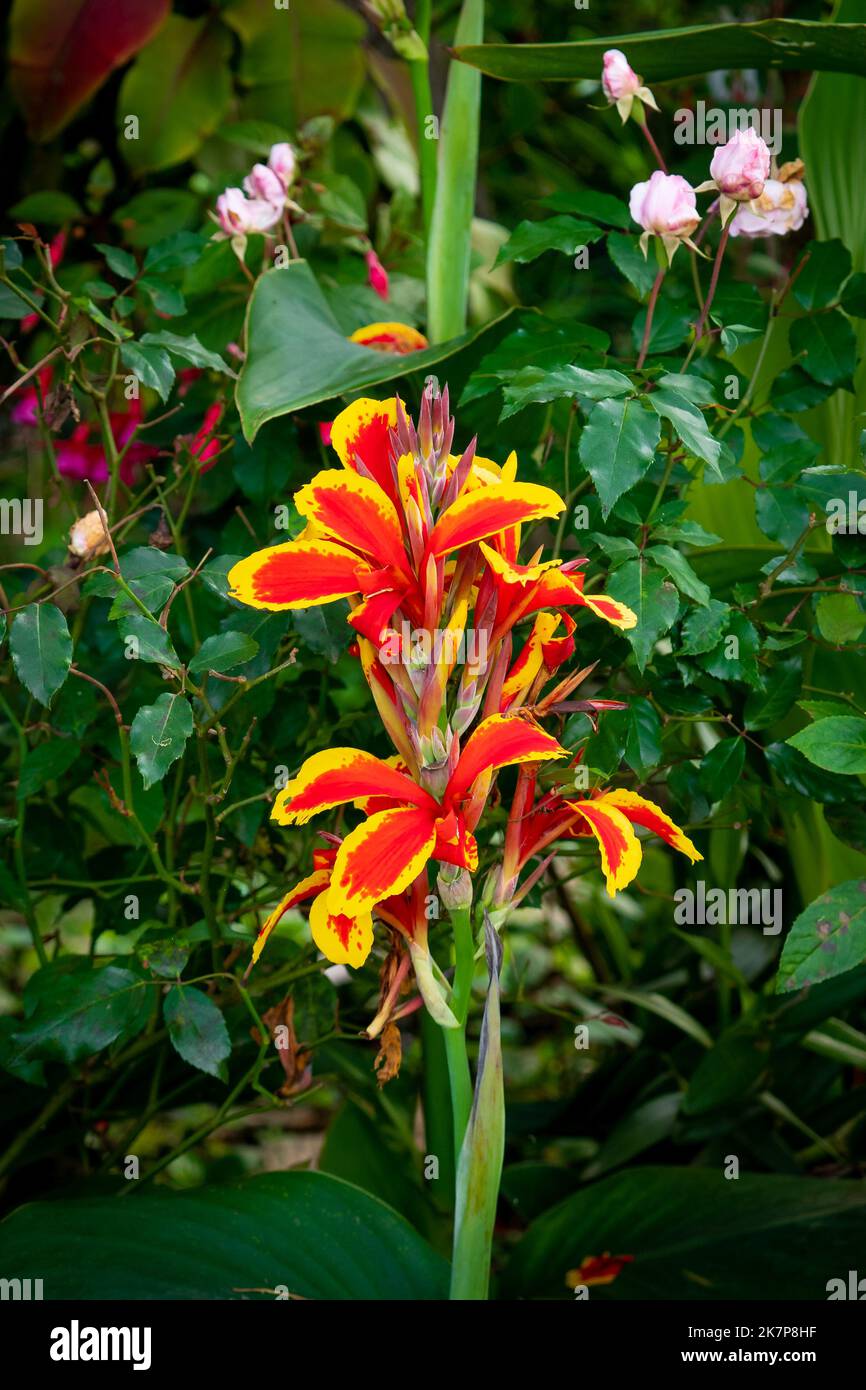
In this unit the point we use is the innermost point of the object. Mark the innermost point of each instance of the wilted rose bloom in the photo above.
(377, 275)
(87, 538)
(665, 205)
(618, 78)
(781, 208)
(741, 167)
(238, 214)
(283, 163)
(262, 182)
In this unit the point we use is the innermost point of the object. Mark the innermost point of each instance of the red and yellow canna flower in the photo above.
(405, 826)
(390, 337)
(609, 816)
(597, 1269)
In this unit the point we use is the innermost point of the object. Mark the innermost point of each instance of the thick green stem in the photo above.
(419, 72)
(449, 246)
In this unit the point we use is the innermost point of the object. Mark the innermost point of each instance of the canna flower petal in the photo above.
(484, 511)
(381, 857)
(390, 337)
(620, 847)
(354, 510)
(297, 574)
(337, 775)
(531, 658)
(499, 741)
(361, 436)
(343, 940)
(556, 589)
(308, 887)
(642, 812)
(509, 572)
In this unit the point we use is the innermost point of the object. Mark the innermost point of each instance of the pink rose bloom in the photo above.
(618, 79)
(263, 183)
(237, 214)
(665, 205)
(283, 163)
(741, 167)
(377, 275)
(781, 208)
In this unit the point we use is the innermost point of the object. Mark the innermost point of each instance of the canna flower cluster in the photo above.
(424, 542)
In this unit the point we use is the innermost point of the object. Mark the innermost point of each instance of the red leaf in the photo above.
(61, 51)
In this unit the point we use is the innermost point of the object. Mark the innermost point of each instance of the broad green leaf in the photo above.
(320, 44)
(657, 56)
(118, 260)
(158, 735)
(151, 365)
(77, 1011)
(41, 650)
(151, 642)
(628, 258)
(680, 571)
(825, 272)
(722, 767)
(48, 207)
(854, 296)
(688, 532)
(688, 422)
(61, 52)
(179, 87)
(223, 652)
(652, 598)
(796, 772)
(44, 764)
(480, 1164)
(827, 939)
(298, 355)
(840, 617)
(825, 346)
(837, 744)
(270, 1232)
(529, 240)
(586, 202)
(695, 1236)
(766, 707)
(166, 299)
(703, 628)
(538, 385)
(617, 447)
(197, 1030)
(188, 349)
(643, 748)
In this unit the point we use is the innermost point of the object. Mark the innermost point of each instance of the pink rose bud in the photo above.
(741, 167)
(283, 163)
(377, 275)
(664, 205)
(618, 79)
(237, 214)
(781, 208)
(263, 183)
